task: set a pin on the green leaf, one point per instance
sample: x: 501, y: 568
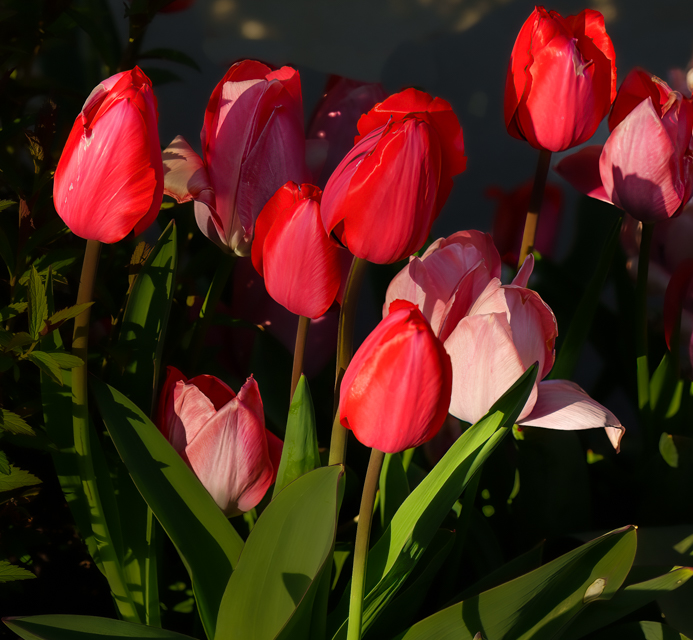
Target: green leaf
x: 300, y: 452
x: 401, y: 546
x: 17, y: 341
x: 285, y: 552
x: 14, y: 424
x: 4, y: 204
x: 627, y: 600
x: 66, y: 360
x: 38, y: 307
x: 47, y: 364
x: 640, y: 631
x: 393, y: 486
x: 668, y: 450
x: 102, y: 39
x: 10, y: 572
x: 540, y: 604
x: 66, y: 627
x: 581, y: 321
x: 144, y: 321
x: 170, y: 54
x: 56, y: 319
x: 12, y: 310
x: 4, y: 464
x: 205, y: 539
x: 6, y: 251
x: 17, y: 478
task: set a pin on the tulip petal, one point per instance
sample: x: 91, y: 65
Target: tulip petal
x: 185, y: 175
x: 563, y: 405
x: 485, y: 364
x: 522, y: 276
x: 581, y: 169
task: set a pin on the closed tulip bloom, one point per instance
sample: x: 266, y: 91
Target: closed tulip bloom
x: 252, y: 144
x: 561, y: 79
x: 384, y: 196
x: 493, y: 334
x: 395, y: 393
x: 298, y: 260
x: 222, y: 437
x: 646, y: 165
x: 109, y: 178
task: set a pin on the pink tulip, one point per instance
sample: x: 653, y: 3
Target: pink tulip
x: 396, y: 390
x: 222, y: 437
x: 298, y: 260
x: 384, y: 196
x: 646, y: 165
x: 109, y: 179
x: 332, y: 128
x: 493, y: 333
x: 252, y: 144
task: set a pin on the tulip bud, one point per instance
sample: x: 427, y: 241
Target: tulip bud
x: 222, y: 437
x: 383, y: 197
x: 294, y: 254
x: 252, y: 144
x: 561, y: 79
x: 109, y: 179
x: 396, y: 391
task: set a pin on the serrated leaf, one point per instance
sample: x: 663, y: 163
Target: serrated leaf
x: 4, y: 464
x: 18, y: 340
x: 17, y: 478
x: 47, y: 364
x: 66, y: 360
x: 14, y: 424
x: 38, y: 306
x: 4, y: 204
x: 57, y: 318
x: 170, y: 54
x: 12, y: 310
x: 10, y: 572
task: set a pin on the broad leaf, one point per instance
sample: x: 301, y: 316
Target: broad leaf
x: 645, y: 630
x: 285, y: 552
x: 10, y: 572
x: 14, y: 424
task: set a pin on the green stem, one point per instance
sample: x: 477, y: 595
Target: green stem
x: 345, y: 349
x: 151, y: 584
x: 81, y: 433
x: 299, y: 350
x: 643, y: 373
x: 532, y: 219
x: 363, y: 534
x: 216, y: 288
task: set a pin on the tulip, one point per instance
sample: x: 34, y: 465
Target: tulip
x: 222, y: 437
x: 509, y: 220
x: 332, y: 128
x: 395, y: 393
x: 561, y: 79
x: 383, y: 197
x: 298, y: 260
x: 493, y: 334
x: 252, y: 144
x: 646, y: 165
x: 109, y: 178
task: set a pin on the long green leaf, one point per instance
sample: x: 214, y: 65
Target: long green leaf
x: 396, y: 553
x: 645, y: 630
x: 300, y: 452
x: 61, y: 627
x: 205, y: 539
x: 38, y: 307
x: 282, y: 559
x: 540, y: 604
x: 627, y: 600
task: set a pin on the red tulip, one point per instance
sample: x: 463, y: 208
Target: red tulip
x: 332, y: 128
x: 222, y: 437
x: 396, y: 391
x: 109, y: 179
x: 561, y: 79
x: 493, y: 333
x: 294, y: 254
x: 646, y: 165
x: 252, y: 144
x: 509, y: 220
x: 385, y: 194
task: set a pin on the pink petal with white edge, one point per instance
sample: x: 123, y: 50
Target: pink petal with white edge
x: 563, y: 405
x: 185, y: 175
x: 485, y: 364
x: 581, y: 170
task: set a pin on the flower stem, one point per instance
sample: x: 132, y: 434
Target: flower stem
x: 643, y: 373
x: 345, y: 349
x: 363, y: 534
x: 299, y: 350
x: 532, y: 219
